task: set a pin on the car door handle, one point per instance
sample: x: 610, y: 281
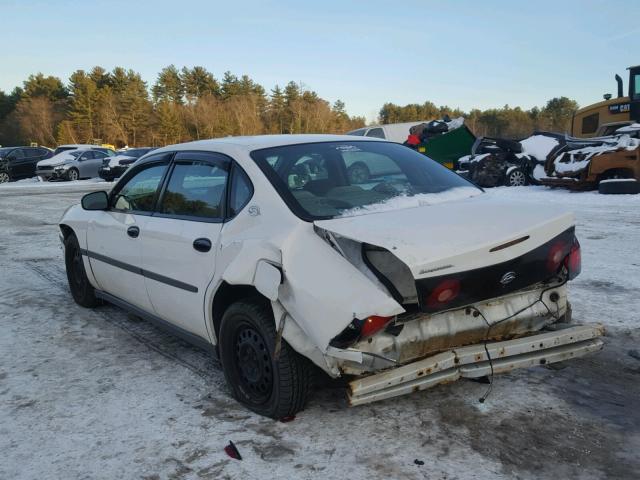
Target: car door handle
x: 133, y: 231
x: 202, y: 244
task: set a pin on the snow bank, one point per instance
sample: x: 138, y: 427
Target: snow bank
x: 405, y: 201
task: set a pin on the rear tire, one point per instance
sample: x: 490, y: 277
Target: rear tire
x: 275, y: 389
x: 81, y: 289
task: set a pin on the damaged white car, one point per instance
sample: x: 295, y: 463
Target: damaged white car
x: 265, y: 251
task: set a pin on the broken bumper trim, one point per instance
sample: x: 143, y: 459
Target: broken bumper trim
x: 472, y: 362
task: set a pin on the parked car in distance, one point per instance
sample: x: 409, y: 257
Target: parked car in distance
x: 114, y: 167
x: 393, y: 132
x: 72, y: 164
x: 404, y: 282
x: 83, y: 146
x: 20, y: 162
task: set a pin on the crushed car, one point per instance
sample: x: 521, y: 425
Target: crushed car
x: 611, y: 164
x: 499, y: 161
x: 264, y: 251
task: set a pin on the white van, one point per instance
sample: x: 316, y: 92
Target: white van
x: 394, y: 132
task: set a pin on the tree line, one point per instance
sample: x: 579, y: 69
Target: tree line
x: 508, y: 122
x: 117, y: 107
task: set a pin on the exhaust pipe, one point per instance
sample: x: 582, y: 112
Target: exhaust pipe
x: 619, y: 80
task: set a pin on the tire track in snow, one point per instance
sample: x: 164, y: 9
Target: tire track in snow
x: 50, y: 271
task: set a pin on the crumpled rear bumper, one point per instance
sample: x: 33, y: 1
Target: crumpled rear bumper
x: 472, y: 362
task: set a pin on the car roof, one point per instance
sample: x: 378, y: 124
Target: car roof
x: 262, y: 141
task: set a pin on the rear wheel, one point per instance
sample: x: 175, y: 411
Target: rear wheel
x: 73, y: 174
x: 273, y: 388
x: 82, y: 291
x: 516, y: 178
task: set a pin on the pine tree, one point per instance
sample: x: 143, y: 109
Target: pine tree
x: 168, y: 86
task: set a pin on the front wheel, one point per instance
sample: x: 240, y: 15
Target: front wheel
x: 273, y: 388
x: 81, y: 289
x: 516, y: 178
x: 4, y: 177
x: 73, y: 174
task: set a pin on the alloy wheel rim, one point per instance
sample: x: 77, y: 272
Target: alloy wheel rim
x: 4, y: 177
x: 517, y: 178
x: 73, y: 175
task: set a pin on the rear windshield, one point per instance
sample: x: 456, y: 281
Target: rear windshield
x: 327, y: 180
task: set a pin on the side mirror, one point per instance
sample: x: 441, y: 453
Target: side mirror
x: 95, y: 201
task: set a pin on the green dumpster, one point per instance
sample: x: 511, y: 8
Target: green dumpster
x: 448, y: 147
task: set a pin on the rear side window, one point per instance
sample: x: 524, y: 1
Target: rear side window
x: 139, y: 192
x: 590, y: 123
x: 196, y: 189
x: 241, y: 191
x: 376, y: 133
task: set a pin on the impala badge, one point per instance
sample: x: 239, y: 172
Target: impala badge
x: 508, y: 278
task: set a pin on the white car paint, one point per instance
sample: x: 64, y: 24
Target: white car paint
x: 322, y: 288
x: 393, y: 132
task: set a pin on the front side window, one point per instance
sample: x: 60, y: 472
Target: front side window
x: 139, y: 192
x: 16, y: 154
x: 352, y: 176
x: 195, y: 189
x: 636, y: 87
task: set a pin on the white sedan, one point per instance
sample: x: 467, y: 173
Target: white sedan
x: 265, y: 251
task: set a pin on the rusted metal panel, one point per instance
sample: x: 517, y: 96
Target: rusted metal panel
x: 472, y: 361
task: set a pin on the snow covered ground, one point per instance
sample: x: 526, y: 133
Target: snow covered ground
x: 99, y: 394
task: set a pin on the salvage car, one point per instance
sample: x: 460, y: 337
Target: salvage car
x: 20, y: 162
x: 498, y: 161
x: 114, y: 167
x: 72, y: 164
x: 404, y: 282
x: 611, y: 164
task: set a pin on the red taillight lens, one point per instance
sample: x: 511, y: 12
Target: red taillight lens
x: 445, y: 292
x: 557, y: 253
x: 573, y: 261
x: 373, y: 325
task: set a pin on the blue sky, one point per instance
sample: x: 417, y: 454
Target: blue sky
x: 458, y: 53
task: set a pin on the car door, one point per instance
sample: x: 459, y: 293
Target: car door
x: 179, y: 241
x: 21, y: 165
x: 113, y: 236
x: 99, y: 160
x: 89, y: 163
x: 15, y: 159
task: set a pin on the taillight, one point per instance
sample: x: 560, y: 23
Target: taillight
x: 573, y: 261
x: 373, y: 325
x: 556, y: 255
x: 445, y: 292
